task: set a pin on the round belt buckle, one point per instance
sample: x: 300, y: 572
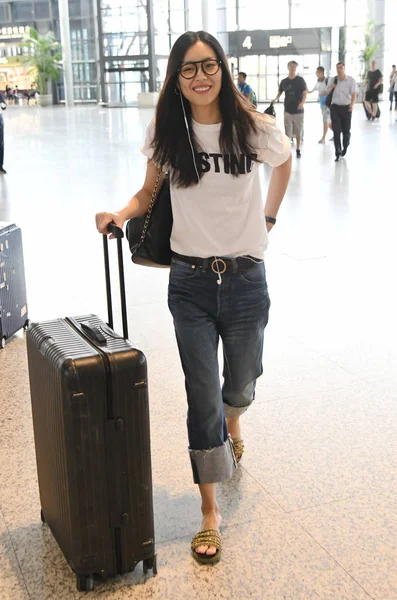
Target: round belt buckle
x: 223, y: 264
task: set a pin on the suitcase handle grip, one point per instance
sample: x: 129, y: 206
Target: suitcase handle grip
x: 116, y: 231
x: 94, y: 333
x: 118, y: 234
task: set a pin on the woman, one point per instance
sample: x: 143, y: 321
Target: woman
x: 211, y: 141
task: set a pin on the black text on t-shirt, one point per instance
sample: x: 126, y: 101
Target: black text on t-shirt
x: 230, y: 164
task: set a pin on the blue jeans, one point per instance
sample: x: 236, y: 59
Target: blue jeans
x: 236, y: 311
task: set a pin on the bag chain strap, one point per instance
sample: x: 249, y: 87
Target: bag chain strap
x: 150, y: 209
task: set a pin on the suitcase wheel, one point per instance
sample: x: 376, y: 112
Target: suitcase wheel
x: 150, y: 563
x: 155, y: 564
x: 27, y: 323
x: 42, y: 517
x: 2, y: 343
x: 85, y: 583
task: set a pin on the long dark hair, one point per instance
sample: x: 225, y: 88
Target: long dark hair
x: 171, y: 142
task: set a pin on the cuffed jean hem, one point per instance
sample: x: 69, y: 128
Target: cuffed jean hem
x: 232, y: 412
x: 213, y: 465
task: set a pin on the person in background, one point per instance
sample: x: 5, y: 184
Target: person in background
x: 246, y: 89
x: 393, y: 88
x: 295, y: 90
x: 3, y: 106
x: 321, y: 87
x: 343, y: 99
x: 31, y: 94
x: 9, y: 94
x: 375, y: 80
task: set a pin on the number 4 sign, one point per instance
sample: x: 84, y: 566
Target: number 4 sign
x: 247, y: 43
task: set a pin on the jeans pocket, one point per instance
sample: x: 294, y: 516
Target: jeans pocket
x: 255, y: 274
x: 180, y: 270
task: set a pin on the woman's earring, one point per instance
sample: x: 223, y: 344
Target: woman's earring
x: 177, y: 90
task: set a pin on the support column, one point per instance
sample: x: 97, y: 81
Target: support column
x: 186, y: 15
x: 221, y: 25
x: 376, y: 12
x: 150, y: 43
x: 205, y: 13
x: 208, y: 15
x: 66, y: 51
x: 102, y: 92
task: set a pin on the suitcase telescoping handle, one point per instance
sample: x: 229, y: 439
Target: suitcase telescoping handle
x: 118, y: 234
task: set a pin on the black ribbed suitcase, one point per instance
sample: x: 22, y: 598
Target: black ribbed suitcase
x: 13, y: 303
x: 90, y: 407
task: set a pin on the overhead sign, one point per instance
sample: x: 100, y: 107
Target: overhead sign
x: 10, y: 33
x: 280, y: 41
x: 284, y: 41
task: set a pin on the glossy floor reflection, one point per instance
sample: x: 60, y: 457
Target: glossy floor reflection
x: 312, y: 511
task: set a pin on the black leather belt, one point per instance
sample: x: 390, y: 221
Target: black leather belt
x: 220, y: 265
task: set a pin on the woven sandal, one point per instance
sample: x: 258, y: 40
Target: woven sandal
x: 209, y: 537
x: 238, y: 447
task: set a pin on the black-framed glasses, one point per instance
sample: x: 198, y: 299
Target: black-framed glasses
x: 209, y: 66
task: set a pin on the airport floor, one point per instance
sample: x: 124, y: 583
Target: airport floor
x: 312, y: 511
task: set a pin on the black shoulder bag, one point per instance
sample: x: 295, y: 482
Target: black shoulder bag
x: 149, y: 236
x: 328, y: 101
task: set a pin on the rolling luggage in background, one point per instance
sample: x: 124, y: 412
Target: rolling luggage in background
x: 90, y: 409
x: 13, y: 303
x: 368, y: 115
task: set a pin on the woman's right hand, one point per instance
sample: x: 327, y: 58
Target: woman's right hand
x: 102, y: 220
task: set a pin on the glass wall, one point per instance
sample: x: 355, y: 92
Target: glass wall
x: 125, y: 44
x: 346, y: 18
x: 83, y: 42
x: 44, y: 17
x: 123, y: 47
x: 269, y: 15
x: 315, y: 13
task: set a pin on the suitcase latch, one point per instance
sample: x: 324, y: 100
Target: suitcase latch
x: 140, y: 384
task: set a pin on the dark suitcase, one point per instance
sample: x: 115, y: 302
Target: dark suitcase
x: 91, y: 426
x: 13, y: 303
x: 368, y: 115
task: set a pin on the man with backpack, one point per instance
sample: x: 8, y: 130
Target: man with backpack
x: 321, y: 87
x: 246, y: 89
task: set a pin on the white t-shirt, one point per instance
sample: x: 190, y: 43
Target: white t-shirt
x: 223, y: 215
x: 321, y: 87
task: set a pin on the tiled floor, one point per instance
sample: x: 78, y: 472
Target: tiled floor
x: 312, y: 513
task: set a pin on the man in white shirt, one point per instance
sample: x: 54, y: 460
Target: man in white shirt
x: 342, y: 103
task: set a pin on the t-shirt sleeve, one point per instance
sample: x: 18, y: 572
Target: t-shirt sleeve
x: 247, y: 90
x: 304, y: 85
x: 353, y: 86
x: 273, y: 146
x: 147, y: 148
x: 281, y: 87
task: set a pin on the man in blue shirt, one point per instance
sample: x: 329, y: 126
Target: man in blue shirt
x: 243, y: 86
x: 246, y: 89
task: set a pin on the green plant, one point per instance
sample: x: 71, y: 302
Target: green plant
x: 45, y: 57
x: 368, y: 49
